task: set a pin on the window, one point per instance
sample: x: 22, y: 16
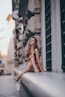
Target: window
x: 48, y: 34
x: 62, y: 4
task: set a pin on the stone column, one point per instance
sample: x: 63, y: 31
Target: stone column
x: 56, y: 35
x: 43, y: 32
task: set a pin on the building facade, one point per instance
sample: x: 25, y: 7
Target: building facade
x: 45, y: 19
x: 18, y: 33
x: 52, y: 16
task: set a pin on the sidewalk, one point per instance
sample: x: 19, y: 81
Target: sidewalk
x: 8, y: 87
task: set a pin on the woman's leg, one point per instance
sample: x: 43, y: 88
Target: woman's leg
x: 27, y: 69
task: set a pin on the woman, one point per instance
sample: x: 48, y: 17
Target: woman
x: 32, y: 57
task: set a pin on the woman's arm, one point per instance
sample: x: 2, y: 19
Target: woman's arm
x: 38, y: 59
x: 28, y: 58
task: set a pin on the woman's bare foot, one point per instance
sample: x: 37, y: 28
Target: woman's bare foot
x: 44, y: 70
x: 17, y: 77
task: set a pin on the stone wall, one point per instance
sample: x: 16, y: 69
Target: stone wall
x: 32, y: 22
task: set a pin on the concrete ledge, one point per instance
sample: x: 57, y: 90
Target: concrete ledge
x: 46, y: 84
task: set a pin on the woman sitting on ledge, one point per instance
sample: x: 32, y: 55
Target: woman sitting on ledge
x: 33, y: 58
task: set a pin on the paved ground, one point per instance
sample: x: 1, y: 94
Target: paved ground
x: 8, y: 87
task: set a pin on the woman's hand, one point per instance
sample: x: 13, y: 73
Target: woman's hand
x: 30, y: 56
x: 26, y: 58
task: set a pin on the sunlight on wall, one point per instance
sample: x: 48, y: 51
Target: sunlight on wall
x: 5, y: 28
